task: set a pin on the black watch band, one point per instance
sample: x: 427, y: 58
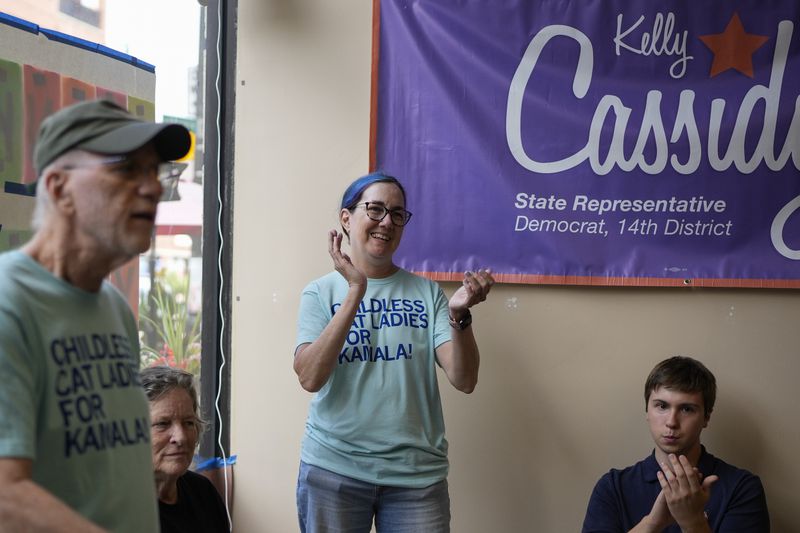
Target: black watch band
x: 462, y: 324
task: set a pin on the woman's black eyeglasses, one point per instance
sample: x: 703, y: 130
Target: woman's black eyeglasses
x: 378, y: 212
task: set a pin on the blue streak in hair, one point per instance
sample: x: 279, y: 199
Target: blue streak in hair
x: 357, y: 187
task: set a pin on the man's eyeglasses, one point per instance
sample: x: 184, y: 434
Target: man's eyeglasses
x: 130, y: 170
x: 378, y: 212
x: 168, y: 174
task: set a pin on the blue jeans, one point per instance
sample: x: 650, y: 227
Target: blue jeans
x: 330, y: 503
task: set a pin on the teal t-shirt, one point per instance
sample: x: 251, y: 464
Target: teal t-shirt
x: 71, y: 400
x: 379, y: 417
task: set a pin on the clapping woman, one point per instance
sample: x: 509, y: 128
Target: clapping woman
x: 370, y: 337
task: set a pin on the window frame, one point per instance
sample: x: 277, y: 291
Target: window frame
x: 218, y: 20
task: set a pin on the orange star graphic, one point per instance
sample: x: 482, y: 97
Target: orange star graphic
x: 733, y: 48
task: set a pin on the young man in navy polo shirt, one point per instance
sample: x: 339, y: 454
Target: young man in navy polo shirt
x: 680, y: 487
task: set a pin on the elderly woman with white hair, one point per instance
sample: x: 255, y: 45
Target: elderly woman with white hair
x: 187, y: 501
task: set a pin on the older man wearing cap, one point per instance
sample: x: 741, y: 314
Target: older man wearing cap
x: 74, y: 430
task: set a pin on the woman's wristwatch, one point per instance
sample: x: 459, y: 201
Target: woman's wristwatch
x: 462, y: 324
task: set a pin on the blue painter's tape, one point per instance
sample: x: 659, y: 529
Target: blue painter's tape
x: 19, y: 23
x: 11, y: 187
x: 77, y: 42
x: 115, y: 54
x: 58, y: 36
x: 214, y: 462
x: 144, y: 65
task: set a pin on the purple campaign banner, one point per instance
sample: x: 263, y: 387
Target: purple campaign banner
x: 613, y: 142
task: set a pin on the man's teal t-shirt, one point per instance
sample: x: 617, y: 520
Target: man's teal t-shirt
x: 379, y: 417
x: 71, y: 400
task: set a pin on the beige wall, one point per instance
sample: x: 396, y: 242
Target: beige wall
x: 560, y: 394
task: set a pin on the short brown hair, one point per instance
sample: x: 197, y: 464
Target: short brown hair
x: 683, y: 374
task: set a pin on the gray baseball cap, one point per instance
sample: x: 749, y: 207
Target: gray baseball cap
x: 102, y: 127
